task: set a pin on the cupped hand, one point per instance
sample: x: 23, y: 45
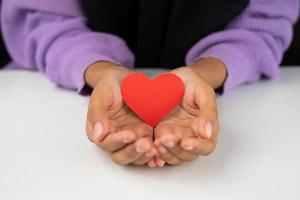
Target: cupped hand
x: 192, y: 128
x: 111, y: 125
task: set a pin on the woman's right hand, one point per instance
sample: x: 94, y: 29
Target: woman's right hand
x: 111, y: 125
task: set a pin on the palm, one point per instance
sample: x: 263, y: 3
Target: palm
x: 128, y: 139
x: 125, y: 119
x: 182, y: 120
x: 177, y: 126
x: 122, y: 118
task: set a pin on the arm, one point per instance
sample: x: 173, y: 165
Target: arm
x: 251, y: 46
x: 51, y: 36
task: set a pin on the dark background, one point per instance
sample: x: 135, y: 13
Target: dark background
x: 4, y: 58
x: 292, y: 56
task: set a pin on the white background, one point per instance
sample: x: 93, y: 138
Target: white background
x: 44, y: 153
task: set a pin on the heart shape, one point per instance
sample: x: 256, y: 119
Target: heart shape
x: 152, y: 100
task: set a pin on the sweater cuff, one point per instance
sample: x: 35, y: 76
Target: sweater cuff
x: 83, y: 61
x: 241, y: 66
x: 73, y: 55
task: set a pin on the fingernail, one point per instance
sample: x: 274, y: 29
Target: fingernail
x: 170, y: 144
x: 208, y: 130
x: 139, y: 149
x: 160, y: 163
x: 162, y: 150
x: 98, y: 130
x: 151, y: 163
x: 188, y: 148
x: 127, y: 140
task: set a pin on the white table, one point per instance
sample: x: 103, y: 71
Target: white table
x: 44, y: 153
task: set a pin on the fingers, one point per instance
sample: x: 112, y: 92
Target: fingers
x: 151, y: 163
x: 146, y: 157
x: 178, y: 130
x: 135, y: 153
x: 159, y: 162
x: 128, y: 146
x: 131, y: 152
x: 117, y: 140
x: 145, y: 131
x: 198, y: 146
x: 166, y: 156
x: 174, y: 152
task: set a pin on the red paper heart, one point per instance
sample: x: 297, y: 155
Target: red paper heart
x: 153, y: 99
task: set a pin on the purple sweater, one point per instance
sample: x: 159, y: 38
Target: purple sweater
x: 51, y: 36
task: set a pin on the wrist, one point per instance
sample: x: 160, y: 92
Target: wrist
x: 103, y: 69
x: 212, y: 70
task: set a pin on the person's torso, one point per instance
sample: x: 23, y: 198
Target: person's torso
x: 160, y: 33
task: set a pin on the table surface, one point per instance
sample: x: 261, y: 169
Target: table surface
x: 45, y: 154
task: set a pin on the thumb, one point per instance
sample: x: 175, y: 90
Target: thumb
x: 207, y: 123
x: 98, y: 123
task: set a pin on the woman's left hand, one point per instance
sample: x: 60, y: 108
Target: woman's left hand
x: 192, y: 128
